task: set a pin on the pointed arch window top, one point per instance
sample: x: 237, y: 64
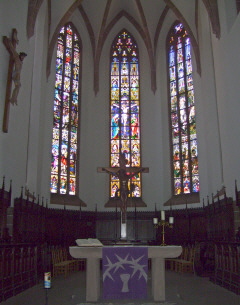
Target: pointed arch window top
x: 65, y: 136
x: 182, y: 113
x: 125, y: 110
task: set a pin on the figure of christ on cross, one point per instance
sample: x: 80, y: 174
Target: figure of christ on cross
x: 14, y: 72
x: 124, y: 174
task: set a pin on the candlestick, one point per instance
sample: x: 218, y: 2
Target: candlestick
x: 163, y: 223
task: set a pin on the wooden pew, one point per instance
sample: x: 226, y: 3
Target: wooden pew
x: 235, y: 269
x: 18, y: 269
x: 185, y: 262
x: 227, y: 266
x: 186, y: 265
x: 61, y: 264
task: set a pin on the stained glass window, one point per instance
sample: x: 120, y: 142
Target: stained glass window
x: 182, y: 109
x: 124, y: 108
x: 66, y: 114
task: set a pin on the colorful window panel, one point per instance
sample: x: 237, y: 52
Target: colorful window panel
x: 182, y: 108
x: 65, y: 117
x: 124, y: 108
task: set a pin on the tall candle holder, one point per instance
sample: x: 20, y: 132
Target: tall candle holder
x: 163, y: 223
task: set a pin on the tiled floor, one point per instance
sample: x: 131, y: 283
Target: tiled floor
x: 186, y: 289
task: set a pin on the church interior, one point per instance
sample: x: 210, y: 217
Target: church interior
x: 162, y: 78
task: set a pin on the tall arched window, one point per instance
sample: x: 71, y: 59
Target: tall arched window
x: 65, y: 137
x: 124, y: 108
x: 182, y: 112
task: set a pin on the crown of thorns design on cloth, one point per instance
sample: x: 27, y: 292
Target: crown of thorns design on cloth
x: 133, y: 263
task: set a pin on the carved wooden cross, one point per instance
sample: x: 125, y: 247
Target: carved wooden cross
x: 124, y: 174
x: 15, y: 60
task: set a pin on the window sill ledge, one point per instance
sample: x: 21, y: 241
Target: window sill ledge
x: 73, y: 200
x: 183, y: 199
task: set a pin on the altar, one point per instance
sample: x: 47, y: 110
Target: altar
x: 93, y: 255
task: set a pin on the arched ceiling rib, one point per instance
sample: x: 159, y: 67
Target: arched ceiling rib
x: 100, y: 17
x: 53, y: 41
x: 33, y: 9
x: 148, y: 42
x: 89, y: 28
x: 212, y: 9
x: 159, y: 27
x: 138, y: 27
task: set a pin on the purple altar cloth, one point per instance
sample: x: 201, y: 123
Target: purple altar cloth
x: 125, y: 272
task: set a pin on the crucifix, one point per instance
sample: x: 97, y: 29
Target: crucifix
x: 124, y: 174
x: 14, y: 71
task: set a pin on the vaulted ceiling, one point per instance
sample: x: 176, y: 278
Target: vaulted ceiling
x: 147, y: 16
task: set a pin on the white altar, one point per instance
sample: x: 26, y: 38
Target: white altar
x: 93, y: 255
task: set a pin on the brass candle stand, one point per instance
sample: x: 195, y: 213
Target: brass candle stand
x: 163, y: 223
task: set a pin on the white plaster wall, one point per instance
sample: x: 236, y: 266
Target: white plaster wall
x: 57, y: 14
x: 25, y: 151
x: 95, y: 151
x: 13, y: 151
x: 227, y: 66
x: 35, y: 176
x: 210, y: 160
x: 228, y: 14
x: 187, y: 10
x: 163, y: 182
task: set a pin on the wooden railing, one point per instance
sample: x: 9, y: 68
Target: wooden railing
x: 5, y: 202
x: 227, y: 266
x: 21, y: 267
x: 237, y: 195
x: 34, y: 222
x: 220, y: 220
x: 37, y: 229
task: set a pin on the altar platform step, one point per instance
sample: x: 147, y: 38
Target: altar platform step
x: 181, y: 289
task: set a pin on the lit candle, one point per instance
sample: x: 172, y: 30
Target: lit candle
x: 155, y: 220
x: 171, y: 220
x: 162, y: 215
